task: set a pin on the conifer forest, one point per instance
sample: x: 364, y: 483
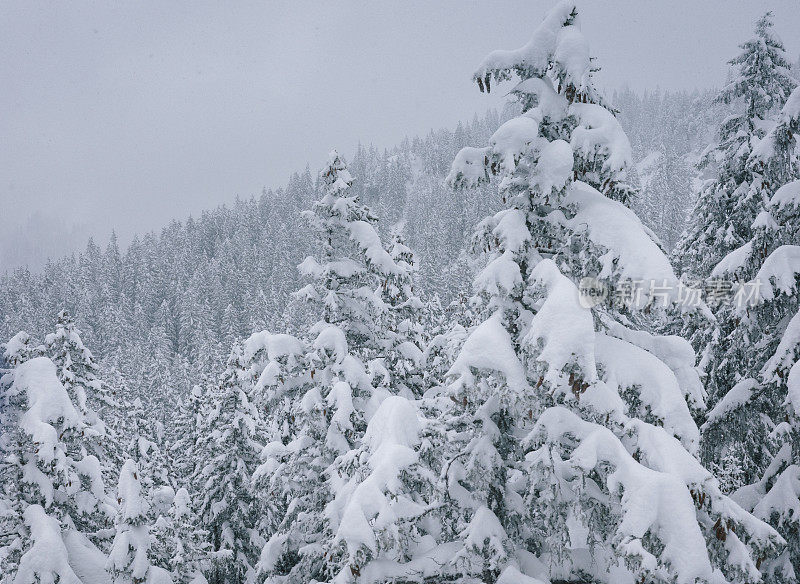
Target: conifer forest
x: 556, y: 343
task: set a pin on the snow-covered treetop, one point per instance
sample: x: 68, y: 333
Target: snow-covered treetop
x: 556, y: 49
x: 563, y: 167
x: 337, y: 210
x: 353, y: 267
x: 67, y: 339
x: 19, y: 349
x: 559, y: 100
x: 335, y: 175
x: 764, y: 77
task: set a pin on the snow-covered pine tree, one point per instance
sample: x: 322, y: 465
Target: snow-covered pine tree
x: 189, y: 541
x: 403, y: 321
x: 290, y: 481
x: 79, y: 372
x: 383, y: 512
x: 77, y: 369
x: 570, y: 437
x: 669, y: 194
x: 354, y: 265
x: 129, y: 561
x: 726, y: 206
x: 50, y: 488
x: 20, y: 348
x: 757, y: 417
x: 142, y: 446
x: 318, y: 405
x: 179, y: 544
x: 186, y: 433
x: 228, y: 447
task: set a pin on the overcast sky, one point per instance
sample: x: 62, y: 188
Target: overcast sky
x: 126, y: 114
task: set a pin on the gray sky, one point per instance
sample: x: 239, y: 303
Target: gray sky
x: 127, y: 114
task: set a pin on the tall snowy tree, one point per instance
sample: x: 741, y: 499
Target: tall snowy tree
x: 52, y: 493
x: 754, y: 424
x: 130, y: 558
x: 183, y: 445
x: 356, y: 283
x: 570, y: 432
x: 403, y: 320
x: 354, y: 264
x: 79, y: 372
x: 229, y: 444
x: 726, y: 205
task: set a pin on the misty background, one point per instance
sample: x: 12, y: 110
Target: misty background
x: 125, y: 116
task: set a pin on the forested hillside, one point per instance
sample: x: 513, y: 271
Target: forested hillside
x: 560, y: 344
x: 166, y: 310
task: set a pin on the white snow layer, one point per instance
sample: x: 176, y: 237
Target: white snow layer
x: 628, y: 366
x: 736, y: 397
x: 48, y: 404
x: 778, y: 272
x: 787, y: 195
x: 488, y: 348
x: 612, y: 225
x: 536, y: 54
x: 47, y: 557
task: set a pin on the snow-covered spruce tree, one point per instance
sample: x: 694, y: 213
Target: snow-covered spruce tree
x: 570, y: 437
x: 756, y: 421
x: 129, y: 561
x: 319, y: 405
x: 354, y: 266
x: 141, y: 446
x: 732, y: 367
x: 726, y: 205
x: 382, y: 523
x: 20, y: 348
x: 49, y: 490
x: 189, y: 542
x: 183, y: 447
x: 403, y: 321
x: 177, y: 542
x: 277, y: 367
x: 79, y: 373
x: 77, y: 369
x: 228, y: 449
x: 290, y: 480
x: 669, y: 194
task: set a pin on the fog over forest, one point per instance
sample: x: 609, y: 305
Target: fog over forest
x: 124, y: 118
x: 419, y: 293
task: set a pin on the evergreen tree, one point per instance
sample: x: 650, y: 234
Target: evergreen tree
x: 403, y: 321
x: 318, y: 418
x: 189, y: 542
x: 354, y: 263
x: 186, y: 434
x: 384, y: 498
x: 574, y: 436
x: 78, y: 372
x: 754, y: 419
x: 229, y: 446
x: 52, y: 495
x: 726, y: 206
x: 130, y: 558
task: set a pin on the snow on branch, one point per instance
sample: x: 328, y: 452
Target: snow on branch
x: 488, y: 348
x: 533, y: 59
